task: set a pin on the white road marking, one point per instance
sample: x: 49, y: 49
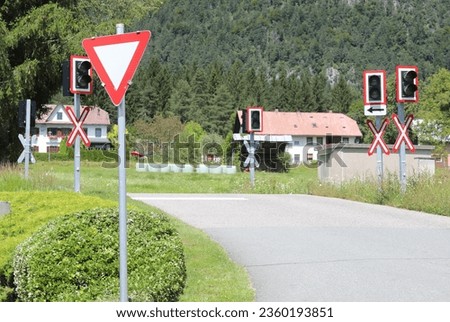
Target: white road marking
x: 190, y: 198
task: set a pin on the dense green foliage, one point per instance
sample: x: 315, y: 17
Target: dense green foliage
x: 30, y: 211
x: 75, y: 258
x: 303, y: 34
x: 207, y: 59
x: 36, y: 36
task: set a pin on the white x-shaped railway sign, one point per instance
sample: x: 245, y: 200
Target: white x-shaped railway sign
x: 78, y: 126
x: 250, y: 150
x: 22, y: 155
x: 378, y: 139
x: 403, y: 133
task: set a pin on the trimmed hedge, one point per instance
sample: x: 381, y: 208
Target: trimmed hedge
x: 76, y: 258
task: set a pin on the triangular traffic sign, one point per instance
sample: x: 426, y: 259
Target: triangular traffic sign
x: 115, y: 59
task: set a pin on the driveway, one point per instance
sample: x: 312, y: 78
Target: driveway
x: 307, y: 248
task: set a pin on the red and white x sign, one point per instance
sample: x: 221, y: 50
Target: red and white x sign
x: 378, y: 140
x: 78, y: 129
x: 403, y: 133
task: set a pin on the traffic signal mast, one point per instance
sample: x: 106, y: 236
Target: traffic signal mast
x: 374, y: 87
x: 80, y: 75
x: 254, y: 119
x: 407, y: 84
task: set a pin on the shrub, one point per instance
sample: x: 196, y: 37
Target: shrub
x: 76, y: 258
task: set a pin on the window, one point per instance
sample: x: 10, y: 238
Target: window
x: 309, y: 140
x: 98, y: 132
x: 59, y: 116
x: 296, y: 143
x: 345, y: 140
x: 320, y: 141
x: 296, y: 158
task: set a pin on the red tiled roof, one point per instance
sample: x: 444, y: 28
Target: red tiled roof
x: 95, y: 116
x: 307, y: 124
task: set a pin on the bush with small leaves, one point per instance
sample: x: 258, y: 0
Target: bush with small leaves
x: 76, y: 258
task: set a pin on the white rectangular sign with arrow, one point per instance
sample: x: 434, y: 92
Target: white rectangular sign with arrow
x: 375, y: 110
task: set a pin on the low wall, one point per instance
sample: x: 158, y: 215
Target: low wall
x: 345, y: 162
x: 184, y: 168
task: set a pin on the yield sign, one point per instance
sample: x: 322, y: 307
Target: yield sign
x: 115, y: 59
x: 78, y: 129
x: 403, y: 133
x: 378, y: 140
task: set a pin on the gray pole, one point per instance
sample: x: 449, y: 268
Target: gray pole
x: 123, y: 272
x: 27, y: 137
x: 252, y: 159
x: 379, y: 157
x: 76, y: 154
x: 402, y: 151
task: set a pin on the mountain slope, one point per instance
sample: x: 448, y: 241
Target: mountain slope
x: 310, y: 34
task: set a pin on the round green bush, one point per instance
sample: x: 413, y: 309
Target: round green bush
x: 76, y: 258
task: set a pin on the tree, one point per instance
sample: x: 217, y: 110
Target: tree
x: 155, y: 138
x: 320, y: 88
x: 220, y: 110
x: 341, y: 96
x: 187, y: 145
x: 32, y: 49
x: 434, y: 109
x: 306, y: 95
x: 36, y: 36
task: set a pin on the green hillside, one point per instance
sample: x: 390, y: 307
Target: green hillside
x: 304, y: 34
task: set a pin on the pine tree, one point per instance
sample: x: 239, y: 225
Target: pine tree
x: 306, y: 95
x: 181, y: 100
x: 342, y: 96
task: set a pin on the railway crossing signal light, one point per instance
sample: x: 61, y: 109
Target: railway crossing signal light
x: 80, y: 75
x: 374, y: 87
x: 407, y: 84
x: 254, y: 119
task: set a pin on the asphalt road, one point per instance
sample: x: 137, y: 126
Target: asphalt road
x: 307, y: 248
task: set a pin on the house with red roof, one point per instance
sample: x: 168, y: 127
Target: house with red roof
x: 54, y: 125
x: 299, y: 134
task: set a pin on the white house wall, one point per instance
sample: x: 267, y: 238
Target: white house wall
x: 44, y: 140
x: 299, y: 149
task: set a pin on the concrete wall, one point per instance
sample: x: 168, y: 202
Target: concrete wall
x: 345, y: 162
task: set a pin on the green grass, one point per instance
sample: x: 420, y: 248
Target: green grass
x: 212, y: 276
x: 429, y: 194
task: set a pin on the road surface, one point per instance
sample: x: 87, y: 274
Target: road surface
x: 309, y: 248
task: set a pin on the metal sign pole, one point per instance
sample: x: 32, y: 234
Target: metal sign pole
x: 251, y: 155
x: 76, y: 154
x: 379, y: 157
x: 123, y: 272
x: 402, y: 151
x: 27, y: 137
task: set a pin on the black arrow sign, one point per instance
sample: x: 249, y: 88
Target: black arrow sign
x: 371, y: 109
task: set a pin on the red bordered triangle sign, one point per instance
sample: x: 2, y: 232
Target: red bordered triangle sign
x: 115, y: 59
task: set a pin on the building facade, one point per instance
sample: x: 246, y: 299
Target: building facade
x: 299, y: 134
x: 54, y: 125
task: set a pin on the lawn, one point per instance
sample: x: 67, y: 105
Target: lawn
x: 212, y: 276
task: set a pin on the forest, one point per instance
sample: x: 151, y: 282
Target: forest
x: 208, y: 59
